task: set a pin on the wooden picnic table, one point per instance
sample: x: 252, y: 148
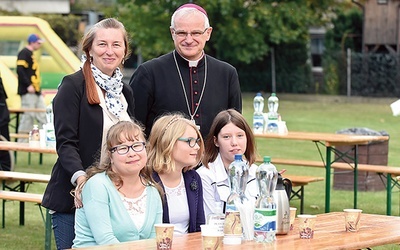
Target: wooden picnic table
x: 16, y: 112
x: 329, y: 140
x: 329, y: 234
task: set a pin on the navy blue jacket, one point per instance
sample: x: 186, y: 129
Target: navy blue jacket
x: 194, y: 192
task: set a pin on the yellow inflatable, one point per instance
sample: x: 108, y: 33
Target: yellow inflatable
x: 55, y: 57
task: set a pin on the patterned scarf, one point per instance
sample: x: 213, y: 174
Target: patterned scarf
x: 113, y: 87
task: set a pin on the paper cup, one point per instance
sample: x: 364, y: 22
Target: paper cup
x: 352, y: 219
x: 293, y: 211
x: 211, y: 237
x: 164, y: 236
x: 306, y: 225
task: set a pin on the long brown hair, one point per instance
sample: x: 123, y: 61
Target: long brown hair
x: 222, y: 119
x: 87, y: 42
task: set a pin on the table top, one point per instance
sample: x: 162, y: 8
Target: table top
x: 329, y: 234
x: 23, y: 110
x: 330, y: 139
x: 25, y: 147
x: 27, y: 177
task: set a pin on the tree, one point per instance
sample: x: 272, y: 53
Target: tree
x: 243, y: 30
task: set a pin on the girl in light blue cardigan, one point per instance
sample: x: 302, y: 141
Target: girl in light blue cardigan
x: 121, y: 202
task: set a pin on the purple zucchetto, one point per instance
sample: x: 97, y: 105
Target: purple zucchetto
x: 192, y: 5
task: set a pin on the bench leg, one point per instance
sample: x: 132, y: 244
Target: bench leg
x: 299, y: 194
x: 3, y: 213
x: 22, y: 206
x: 47, y: 242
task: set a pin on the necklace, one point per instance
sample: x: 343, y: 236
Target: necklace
x: 184, y: 91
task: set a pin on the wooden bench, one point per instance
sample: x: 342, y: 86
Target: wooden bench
x: 29, y: 197
x: 19, y: 136
x: 18, y: 193
x: 16, y: 136
x: 301, y: 181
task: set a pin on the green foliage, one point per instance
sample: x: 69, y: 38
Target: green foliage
x: 243, y: 31
x: 346, y: 33
x: 66, y: 27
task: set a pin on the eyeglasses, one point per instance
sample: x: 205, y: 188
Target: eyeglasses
x: 184, y: 34
x: 124, y: 149
x: 191, y: 141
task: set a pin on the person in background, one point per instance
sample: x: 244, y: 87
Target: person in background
x: 120, y: 200
x: 29, y: 85
x: 229, y: 135
x: 186, y: 80
x: 5, y: 159
x: 88, y: 102
x: 175, y: 148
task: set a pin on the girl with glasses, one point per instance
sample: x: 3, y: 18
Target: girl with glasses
x: 175, y: 148
x: 121, y: 201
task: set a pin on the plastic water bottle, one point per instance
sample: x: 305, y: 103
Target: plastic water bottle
x: 265, y: 218
x: 49, y: 128
x: 272, y: 123
x: 49, y: 113
x: 238, y: 174
x: 258, y: 116
x: 273, y: 103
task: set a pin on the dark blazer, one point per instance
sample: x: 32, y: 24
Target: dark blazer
x: 79, y: 129
x: 4, y: 113
x: 157, y: 89
x: 194, y: 193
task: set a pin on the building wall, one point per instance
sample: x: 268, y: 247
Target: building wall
x: 381, y: 22
x: 36, y: 6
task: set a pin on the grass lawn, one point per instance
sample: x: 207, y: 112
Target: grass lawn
x: 323, y: 114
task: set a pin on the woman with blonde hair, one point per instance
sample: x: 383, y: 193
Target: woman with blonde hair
x: 175, y: 148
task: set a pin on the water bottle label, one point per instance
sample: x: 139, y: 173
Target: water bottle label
x: 264, y: 220
x: 231, y: 207
x: 272, y: 127
x: 258, y: 124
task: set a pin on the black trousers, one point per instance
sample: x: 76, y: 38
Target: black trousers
x: 5, y: 160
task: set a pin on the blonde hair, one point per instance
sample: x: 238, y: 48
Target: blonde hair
x: 163, y: 136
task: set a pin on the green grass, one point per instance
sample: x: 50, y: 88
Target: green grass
x: 327, y: 114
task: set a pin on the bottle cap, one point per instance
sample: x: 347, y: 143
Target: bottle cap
x: 267, y: 158
x: 238, y: 157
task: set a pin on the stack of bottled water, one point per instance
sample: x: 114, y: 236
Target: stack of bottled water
x: 273, y: 116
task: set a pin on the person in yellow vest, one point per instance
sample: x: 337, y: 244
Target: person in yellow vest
x: 29, y: 85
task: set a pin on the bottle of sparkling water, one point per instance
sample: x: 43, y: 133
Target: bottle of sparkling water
x: 258, y: 115
x: 238, y: 174
x: 265, y: 210
x: 272, y: 123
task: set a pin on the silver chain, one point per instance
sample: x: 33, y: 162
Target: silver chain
x: 183, y: 85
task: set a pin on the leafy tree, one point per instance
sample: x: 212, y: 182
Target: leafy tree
x: 244, y: 31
